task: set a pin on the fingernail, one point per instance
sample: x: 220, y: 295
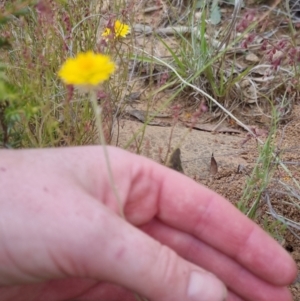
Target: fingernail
x: 205, y: 287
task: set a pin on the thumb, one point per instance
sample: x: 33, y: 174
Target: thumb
x: 125, y: 255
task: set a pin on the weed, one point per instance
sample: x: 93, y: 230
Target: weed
x: 261, y: 174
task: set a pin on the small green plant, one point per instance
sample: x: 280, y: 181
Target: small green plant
x: 262, y: 172
x: 201, y: 61
x: 275, y: 228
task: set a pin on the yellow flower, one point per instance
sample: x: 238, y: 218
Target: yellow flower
x: 121, y: 30
x: 86, y: 70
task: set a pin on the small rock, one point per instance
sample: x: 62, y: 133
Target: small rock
x: 251, y: 57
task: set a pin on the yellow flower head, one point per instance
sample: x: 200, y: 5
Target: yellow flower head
x: 86, y: 70
x: 121, y: 30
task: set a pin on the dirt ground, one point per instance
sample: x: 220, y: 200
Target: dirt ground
x: 235, y: 153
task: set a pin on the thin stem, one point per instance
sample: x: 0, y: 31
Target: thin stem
x: 101, y: 141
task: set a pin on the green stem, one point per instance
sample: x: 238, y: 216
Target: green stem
x: 101, y: 141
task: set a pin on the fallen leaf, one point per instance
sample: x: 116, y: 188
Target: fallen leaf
x: 143, y: 116
x: 175, y: 161
x: 249, y: 91
x: 213, y: 165
x: 215, y: 15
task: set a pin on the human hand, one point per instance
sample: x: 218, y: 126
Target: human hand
x: 62, y: 237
